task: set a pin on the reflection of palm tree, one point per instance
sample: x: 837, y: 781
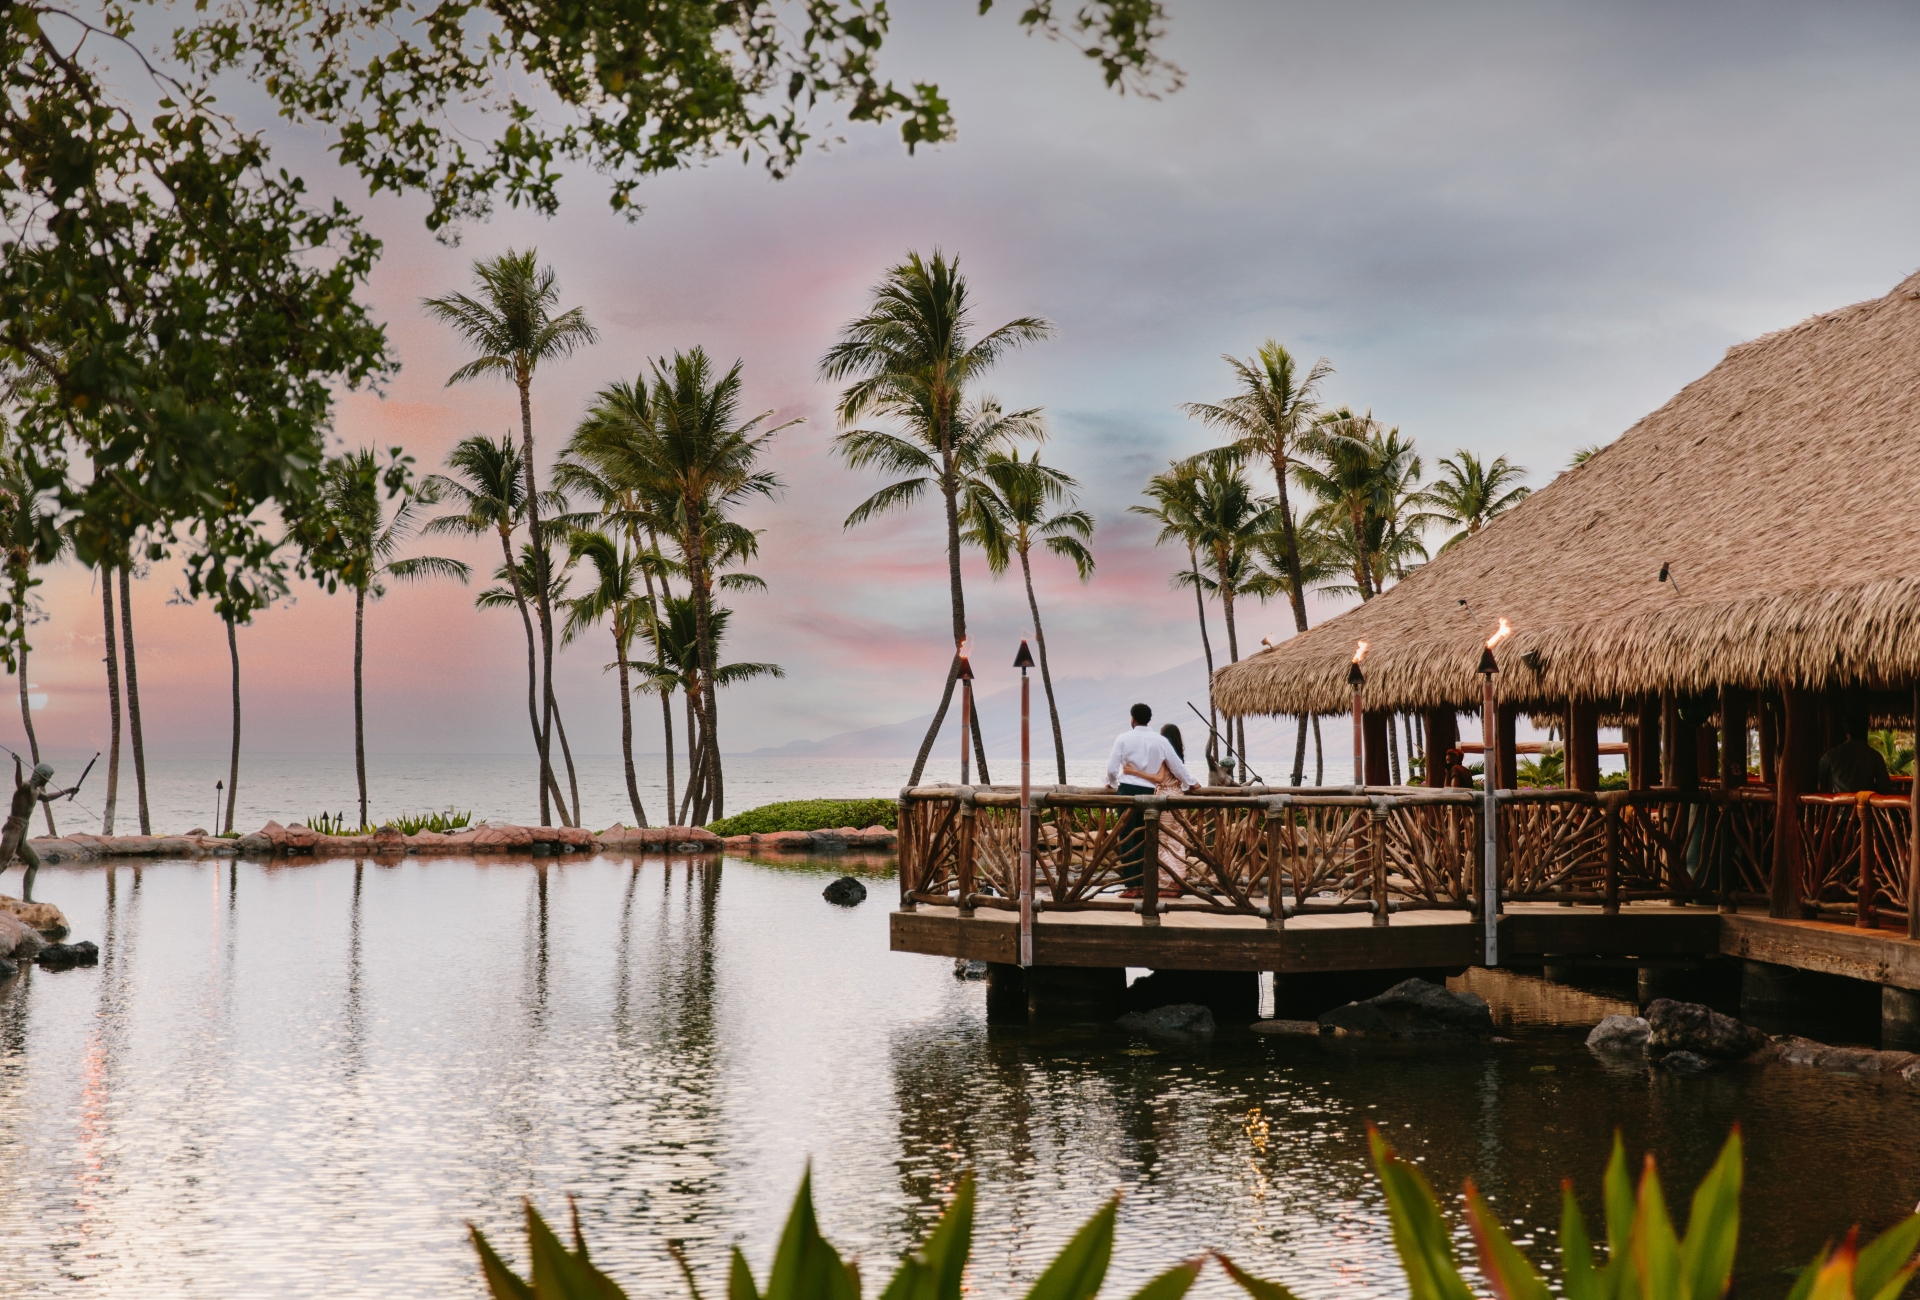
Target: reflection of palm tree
x: 489, y: 490
x: 910, y: 359
x: 1008, y: 505
x: 513, y: 328
x: 351, y: 491
x: 1470, y: 492
x: 611, y: 597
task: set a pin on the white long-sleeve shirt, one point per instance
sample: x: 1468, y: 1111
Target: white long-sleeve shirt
x: 1146, y: 749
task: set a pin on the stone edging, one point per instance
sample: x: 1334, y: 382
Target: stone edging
x: 838, y: 840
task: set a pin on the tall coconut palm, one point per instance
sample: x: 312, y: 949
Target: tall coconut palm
x: 686, y: 653
x: 489, y: 490
x: 113, y: 700
x: 1009, y: 509
x: 1230, y: 519
x: 612, y: 598
x: 514, y: 328
x: 1367, y: 486
x: 1317, y: 562
x: 516, y: 588
x: 910, y: 358
x: 1469, y: 492
x: 350, y: 490
x: 705, y: 455
x: 1175, y: 502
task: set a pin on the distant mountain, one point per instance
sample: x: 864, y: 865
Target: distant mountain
x: 1093, y: 711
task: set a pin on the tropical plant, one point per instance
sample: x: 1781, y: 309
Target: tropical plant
x: 1175, y: 497
x: 612, y: 597
x: 809, y: 815
x: 514, y: 328
x: 490, y: 491
x: 690, y: 652
x: 1316, y: 562
x: 910, y: 359
x: 1366, y: 486
x: 1009, y: 508
x: 1470, y: 492
x: 1581, y: 455
x: 1896, y: 747
x: 1548, y: 771
x: 352, y: 487
x: 516, y: 589
x: 1646, y: 1259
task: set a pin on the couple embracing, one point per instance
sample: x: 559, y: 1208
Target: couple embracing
x: 1145, y: 761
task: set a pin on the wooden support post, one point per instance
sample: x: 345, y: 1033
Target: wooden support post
x: 1377, y: 859
x: 1650, y: 769
x: 1150, y: 864
x: 1583, y: 745
x: 1611, y: 813
x: 1377, y: 772
x: 1276, y: 901
x: 1768, y: 725
x: 1509, y: 752
x: 1706, y: 753
x: 1443, y: 733
x: 1795, y: 774
x: 1677, y: 753
x: 1734, y: 706
x: 963, y: 849
x: 903, y: 836
x: 1863, y: 918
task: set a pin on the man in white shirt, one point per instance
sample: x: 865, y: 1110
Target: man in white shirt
x: 1145, y: 750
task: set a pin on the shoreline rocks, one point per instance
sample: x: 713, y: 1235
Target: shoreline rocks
x: 842, y: 839
x: 1687, y: 1038
x: 1413, y: 1009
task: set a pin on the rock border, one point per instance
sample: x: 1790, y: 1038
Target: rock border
x: 841, y: 839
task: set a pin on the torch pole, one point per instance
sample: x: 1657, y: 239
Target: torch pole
x: 966, y: 717
x: 1490, y: 844
x: 1359, y: 741
x: 1026, y: 821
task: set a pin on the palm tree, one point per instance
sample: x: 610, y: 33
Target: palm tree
x: 1176, y: 502
x: 1230, y: 518
x: 911, y: 357
x: 350, y: 490
x: 1007, y: 512
x: 703, y: 454
x: 516, y: 589
x: 691, y: 662
x: 1317, y: 558
x: 490, y: 492
x: 1470, y: 492
x: 612, y: 596
x: 1367, y: 486
x: 513, y: 328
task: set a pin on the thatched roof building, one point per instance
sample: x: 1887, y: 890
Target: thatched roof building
x: 1782, y: 489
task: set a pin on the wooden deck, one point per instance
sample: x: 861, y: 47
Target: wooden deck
x: 1529, y: 933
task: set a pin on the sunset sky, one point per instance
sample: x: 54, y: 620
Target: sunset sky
x: 1514, y: 228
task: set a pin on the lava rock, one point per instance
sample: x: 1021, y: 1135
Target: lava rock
x: 1299, y: 1028
x: 1685, y: 1062
x: 60, y: 956
x: 969, y: 970
x: 1619, y: 1034
x: 1414, y: 1008
x: 1689, y: 1027
x: 8, y: 969
x: 1182, y: 1020
x: 845, y: 892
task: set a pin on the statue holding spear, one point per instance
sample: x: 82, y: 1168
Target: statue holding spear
x: 27, y: 793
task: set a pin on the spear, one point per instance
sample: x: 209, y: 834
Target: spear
x: 83, y: 776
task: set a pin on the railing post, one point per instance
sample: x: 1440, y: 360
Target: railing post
x: 963, y: 845
x: 1611, y: 907
x: 1150, y: 860
x: 1276, y: 901
x: 1863, y: 914
x: 1490, y: 871
x: 1377, y: 858
x: 903, y: 837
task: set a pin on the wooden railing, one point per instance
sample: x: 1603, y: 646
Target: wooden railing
x: 1387, y: 850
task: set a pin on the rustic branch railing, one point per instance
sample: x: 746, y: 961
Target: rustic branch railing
x: 1387, y: 850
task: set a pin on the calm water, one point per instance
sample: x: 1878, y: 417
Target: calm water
x: 303, y: 1080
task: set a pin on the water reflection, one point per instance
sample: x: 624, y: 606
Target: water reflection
x: 303, y: 1080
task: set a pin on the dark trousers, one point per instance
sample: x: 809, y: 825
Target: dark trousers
x: 1133, y: 840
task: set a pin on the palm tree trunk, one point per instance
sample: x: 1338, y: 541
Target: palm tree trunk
x: 666, y: 724
x: 133, y: 698
x: 1206, y: 648
x: 710, y: 805
x: 950, y: 492
x: 566, y: 752
x: 1046, y: 677
x: 1236, y: 729
x: 525, y: 384
x: 939, y: 716
x: 233, y: 762
x: 1319, y: 755
x: 359, y: 710
x: 533, y: 674
x: 1393, y: 750
x: 26, y: 711
x: 695, y: 753
x: 626, y: 722
x: 1290, y: 554
x: 1300, y: 751
x: 660, y: 663
x: 113, y: 699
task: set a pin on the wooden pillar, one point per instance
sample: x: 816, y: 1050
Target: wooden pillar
x: 1769, y: 729
x: 1443, y: 733
x: 1647, y: 743
x: 1734, y: 703
x: 1706, y: 748
x: 1509, y: 715
x: 1636, y: 757
x: 1377, y: 722
x: 1681, y: 746
x: 1798, y: 766
x: 1583, y: 745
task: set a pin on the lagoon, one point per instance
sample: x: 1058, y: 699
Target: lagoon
x: 303, y: 1080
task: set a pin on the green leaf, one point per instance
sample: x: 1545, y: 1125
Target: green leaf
x: 934, y: 1271
x: 558, y: 1274
x: 1512, y: 1276
x: 1173, y: 1283
x: 1576, y: 1250
x: 1884, y: 1267
x: 502, y: 1282
x: 1253, y: 1286
x: 1419, y: 1233
x: 1713, y: 1226
x: 1656, y: 1251
x: 805, y: 1267
x: 1835, y: 1279
x: 1803, y: 1285
x: 740, y: 1279
x: 1077, y: 1272
x: 1617, y: 1278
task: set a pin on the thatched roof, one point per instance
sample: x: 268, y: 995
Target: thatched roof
x: 1784, y: 489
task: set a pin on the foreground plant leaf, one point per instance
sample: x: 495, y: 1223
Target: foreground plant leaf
x: 1419, y: 1233
x: 933, y: 1272
x: 1512, y: 1276
x: 1713, y: 1226
x: 805, y: 1267
x: 1077, y: 1272
x: 1253, y: 1286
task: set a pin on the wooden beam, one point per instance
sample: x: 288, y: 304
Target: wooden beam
x: 1798, y: 765
x: 1376, y: 722
x: 1583, y: 745
x: 1443, y: 733
x: 1680, y: 746
x: 1645, y: 774
x: 1509, y: 717
x: 1734, y: 706
x: 1877, y: 956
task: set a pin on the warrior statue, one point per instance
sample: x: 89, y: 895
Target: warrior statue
x: 26, y: 793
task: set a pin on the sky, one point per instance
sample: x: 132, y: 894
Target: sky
x: 1511, y: 227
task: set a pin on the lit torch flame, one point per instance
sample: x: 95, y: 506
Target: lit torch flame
x: 966, y: 648
x: 1359, y: 651
x: 1499, y: 636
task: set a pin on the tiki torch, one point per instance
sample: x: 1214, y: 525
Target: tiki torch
x: 1490, y: 781
x: 966, y: 707
x: 1358, y: 680
x: 1024, y: 661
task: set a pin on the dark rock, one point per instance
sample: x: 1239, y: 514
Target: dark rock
x: 1302, y: 1028
x: 845, y: 892
x: 969, y: 970
x: 1681, y: 1061
x: 1414, y: 1008
x: 1189, y: 1020
x: 8, y: 969
x: 1619, y: 1034
x: 1689, y: 1027
x: 1851, y: 1060
x: 60, y: 956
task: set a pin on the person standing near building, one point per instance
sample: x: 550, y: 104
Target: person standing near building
x: 1145, y: 750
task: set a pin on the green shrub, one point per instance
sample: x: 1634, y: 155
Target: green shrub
x: 808, y: 815
x: 410, y: 824
x: 1646, y: 1259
